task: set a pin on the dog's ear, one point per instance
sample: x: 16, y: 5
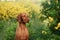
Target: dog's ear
x: 18, y: 18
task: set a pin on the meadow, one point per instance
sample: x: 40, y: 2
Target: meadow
x: 43, y: 24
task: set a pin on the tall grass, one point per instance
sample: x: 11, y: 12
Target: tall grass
x: 38, y: 28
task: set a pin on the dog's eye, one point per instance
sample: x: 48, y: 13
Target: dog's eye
x: 24, y: 16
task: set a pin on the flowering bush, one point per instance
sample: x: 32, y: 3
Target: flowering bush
x: 12, y: 9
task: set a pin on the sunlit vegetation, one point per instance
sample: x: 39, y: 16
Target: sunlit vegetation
x: 44, y: 18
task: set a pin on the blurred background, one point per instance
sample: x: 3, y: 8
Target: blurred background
x: 44, y: 18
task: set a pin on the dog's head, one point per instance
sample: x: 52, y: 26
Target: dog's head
x: 22, y: 18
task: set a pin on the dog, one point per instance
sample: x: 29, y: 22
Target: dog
x: 22, y: 31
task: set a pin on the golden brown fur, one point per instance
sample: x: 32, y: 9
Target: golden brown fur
x: 21, y: 31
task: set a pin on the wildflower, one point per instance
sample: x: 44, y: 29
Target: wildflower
x: 59, y: 24
x: 46, y: 21
x: 50, y: 19
x: 0, y: 16
x: 56, y: 28
x: 10, y: 9
x: 44, y: 32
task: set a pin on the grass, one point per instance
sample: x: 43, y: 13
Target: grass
x: 38, y: 29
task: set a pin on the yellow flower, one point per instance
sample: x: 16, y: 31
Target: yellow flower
x: 59, y: 24
x: 6, y: 16
x: 11, y: 9
x: 0, y: 16
x: 44, y: 32
x: 50, y: 19
x: 56, y: 28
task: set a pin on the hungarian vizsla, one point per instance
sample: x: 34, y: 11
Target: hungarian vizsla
x: 22, y: 31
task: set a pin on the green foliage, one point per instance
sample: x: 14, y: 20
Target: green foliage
x: 38, y: 29
x: 39, y: 26
x: 51, y: 8
x: 7, y: 30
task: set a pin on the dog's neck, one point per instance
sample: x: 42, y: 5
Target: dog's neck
x: 22, y: 25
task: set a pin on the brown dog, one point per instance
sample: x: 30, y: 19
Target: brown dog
x: 21, y: 31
